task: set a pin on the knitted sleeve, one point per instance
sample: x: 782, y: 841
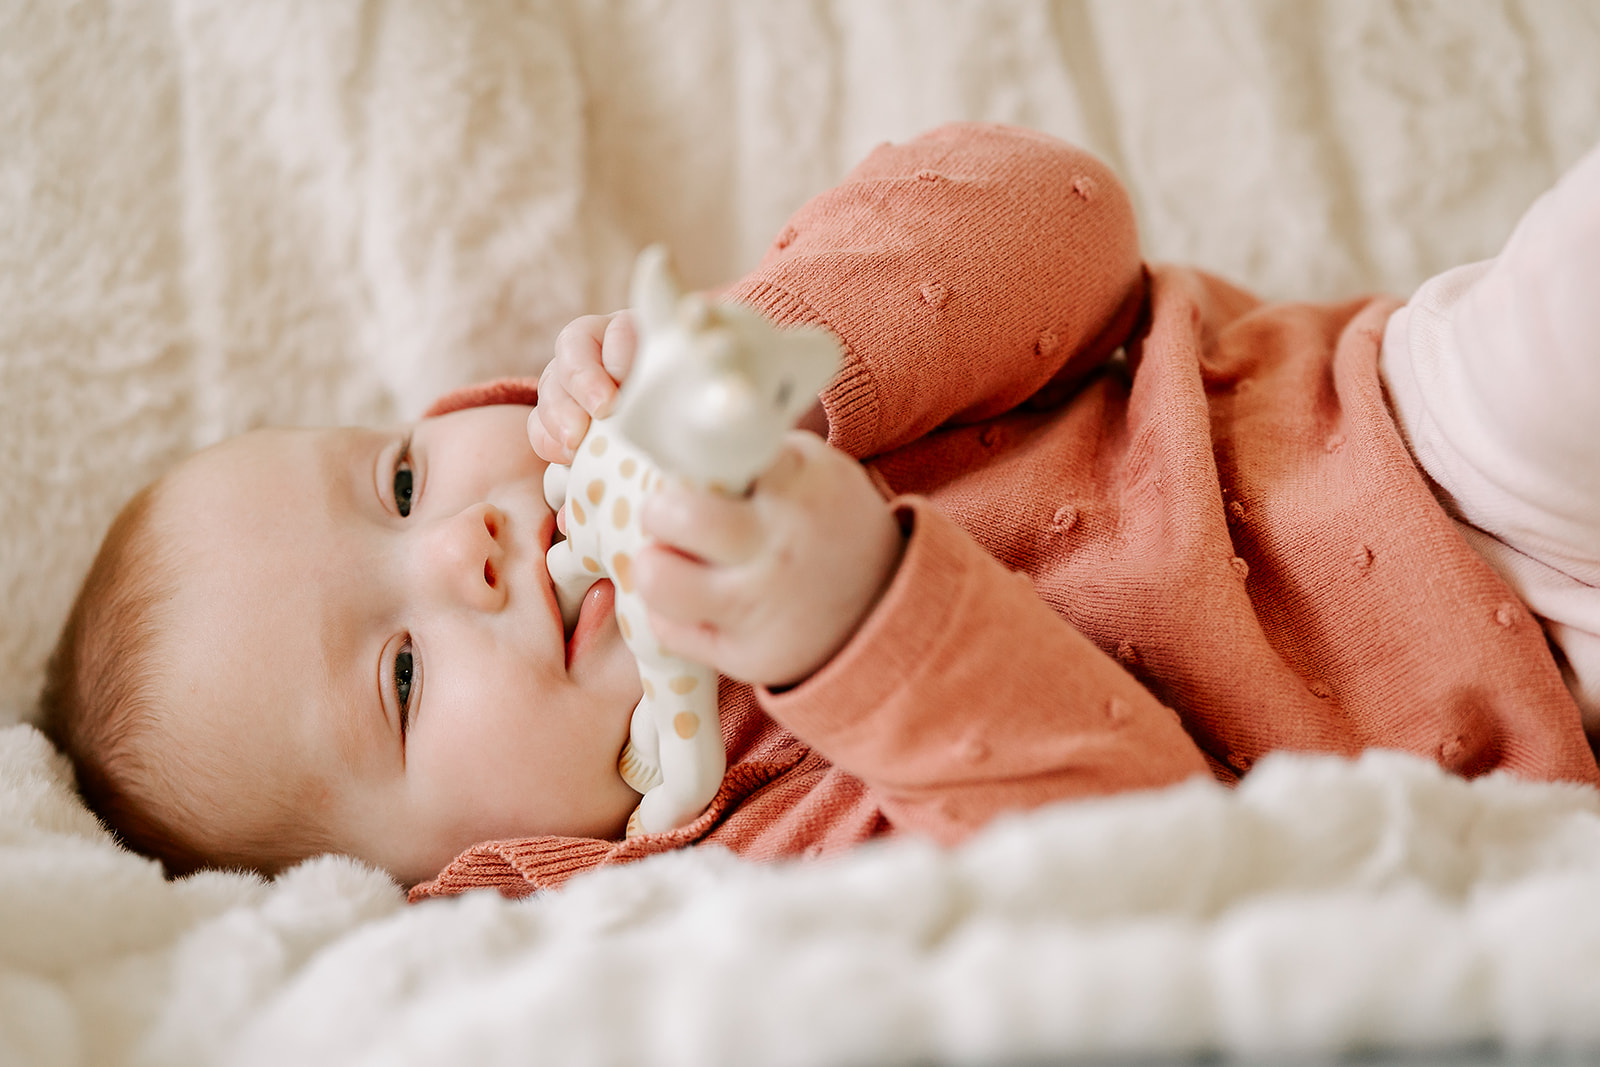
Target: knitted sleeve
x: 939, y: 264
x: 964, y: 695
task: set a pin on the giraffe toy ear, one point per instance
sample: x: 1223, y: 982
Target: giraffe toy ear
x: 654, y: 291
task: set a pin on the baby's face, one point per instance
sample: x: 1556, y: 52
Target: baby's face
x: 368, y: 618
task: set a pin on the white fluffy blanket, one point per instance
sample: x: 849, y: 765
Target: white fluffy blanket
x: 216, y: 214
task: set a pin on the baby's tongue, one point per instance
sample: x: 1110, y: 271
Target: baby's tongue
x: 598, y: 605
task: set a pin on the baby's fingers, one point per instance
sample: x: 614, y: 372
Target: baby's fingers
x: 578, y: 367
x: 718, y: 529
x: 617, y: 348
x: 689, y: 613
x: 556, y: 425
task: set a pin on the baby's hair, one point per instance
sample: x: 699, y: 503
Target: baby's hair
x: 102, y: 705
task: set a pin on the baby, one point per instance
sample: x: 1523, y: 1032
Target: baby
x: 1062, y: 525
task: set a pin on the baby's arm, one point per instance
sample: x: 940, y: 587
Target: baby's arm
x: 965, y: 272
x: 963, y: 695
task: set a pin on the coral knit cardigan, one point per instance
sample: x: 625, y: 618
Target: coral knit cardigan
x: 1119, y: 571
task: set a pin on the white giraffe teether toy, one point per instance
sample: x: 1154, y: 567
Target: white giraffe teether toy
x: 713, y: 390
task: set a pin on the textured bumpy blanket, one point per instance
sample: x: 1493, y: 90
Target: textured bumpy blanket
x: 217, y: 214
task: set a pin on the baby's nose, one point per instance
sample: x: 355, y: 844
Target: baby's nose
x: 466, y: 554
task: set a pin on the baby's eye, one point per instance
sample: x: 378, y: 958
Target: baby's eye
x: 402, y: 480
x: 403, y: 667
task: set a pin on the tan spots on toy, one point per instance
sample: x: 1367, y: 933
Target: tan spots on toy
x: 686, y: 724
x: 627, y: 467
x: 649, y: 688
x: 619, y: 513
x: 577, y: 511
x: 625, y: 627
x: 596, y: 491
x: 591, y: 564
x: 598, y: 446
x: 683, y: 683
x: 622, y: 571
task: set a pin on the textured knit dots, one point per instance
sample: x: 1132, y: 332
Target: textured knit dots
x: 1236, y: 511
x: 1505, y: 615
x: 1363, y: 558
x: 1127, y: 655
x: 686, y: 724
x: 1320, y: 689
x: 1047, y: 343
x: 991, y: 437
x: 1083, y: 186
x: 1065, y: 518
x: 934, y: 294
x: 1240, y: 567
x: 785, y: 238
x: 974, y: 749
x: 1452, y: 752
x: 1334, y: 443
x: 1117, y: 710
x: 929, y: 176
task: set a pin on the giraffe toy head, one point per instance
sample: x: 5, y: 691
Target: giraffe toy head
x: 714, y: 388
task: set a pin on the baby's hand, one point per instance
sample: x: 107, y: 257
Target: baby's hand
x: 592, y: 356
x: 767, y: 587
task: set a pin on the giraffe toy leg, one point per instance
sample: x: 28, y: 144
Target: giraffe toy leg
x: 688, y: 743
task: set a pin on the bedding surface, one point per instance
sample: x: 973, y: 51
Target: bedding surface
x: 220, y: 214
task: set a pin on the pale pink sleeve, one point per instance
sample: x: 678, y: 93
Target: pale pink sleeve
x: 964, y: 696
x: 964, y: 272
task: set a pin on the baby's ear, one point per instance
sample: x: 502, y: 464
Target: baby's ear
x: 654, y: 292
